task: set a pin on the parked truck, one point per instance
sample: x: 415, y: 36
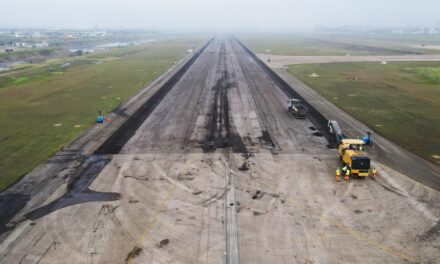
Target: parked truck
x: 297, y: 108
x: 335, y: 130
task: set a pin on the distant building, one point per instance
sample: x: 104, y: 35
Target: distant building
x: 37, y: 35
x: 42, y: 44
x: 433, y: 31
x: 23, y: 45
x: 97, y: 34
x: 18, y: 34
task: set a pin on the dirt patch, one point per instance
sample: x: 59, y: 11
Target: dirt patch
x: 266, y: 138
x: 257, y: 195
x: 248, y: 140
x: 132, y: 201
x: 244, y: 166
x: 317, y: 134
x: 353, y: 196
x: 185, y: 177
x: 357, y: 211
x: 136, y: 251
x: 164, y: 242
x: 239, y: 208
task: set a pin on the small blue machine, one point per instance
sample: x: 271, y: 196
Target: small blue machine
x: 100, y: 118
x: 367, y: 138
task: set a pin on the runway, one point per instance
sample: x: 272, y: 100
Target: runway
x: 217, y: 171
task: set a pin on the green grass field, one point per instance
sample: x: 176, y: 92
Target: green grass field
x: 327, y: 44
x: 43, y: 107
x: 400, y: 101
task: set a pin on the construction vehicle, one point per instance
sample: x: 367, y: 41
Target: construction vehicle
x: 297, y: 108
x: 335, y: 130
x: 351, y: 153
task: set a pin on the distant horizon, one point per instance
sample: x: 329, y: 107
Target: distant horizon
x: 206, y: 29
x: 220, y: 15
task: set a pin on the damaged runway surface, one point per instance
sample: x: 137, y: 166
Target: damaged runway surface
x: 212, y: 169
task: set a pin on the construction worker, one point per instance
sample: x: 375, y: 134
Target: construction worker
x: 338, y: 174
x: 344, y: 169
x: 374, y: 172
x: 347, y: 174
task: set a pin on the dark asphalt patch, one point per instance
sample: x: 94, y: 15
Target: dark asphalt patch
x: 78, y: 191
x: 220, y: 133
x: 317, y: 119
x: 10, y: 204
x: 317, y: 134
x: 266, y: 138
x: 120, y: 137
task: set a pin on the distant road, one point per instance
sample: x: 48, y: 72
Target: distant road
x: 278, y: 61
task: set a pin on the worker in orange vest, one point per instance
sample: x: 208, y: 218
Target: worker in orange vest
x: 338, y: 174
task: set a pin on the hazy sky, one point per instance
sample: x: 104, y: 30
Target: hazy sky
x: 218, y: 14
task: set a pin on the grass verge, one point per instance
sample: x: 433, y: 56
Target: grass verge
x: 400, y: 101
x: 45, y: 106
x: 326, y: 45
